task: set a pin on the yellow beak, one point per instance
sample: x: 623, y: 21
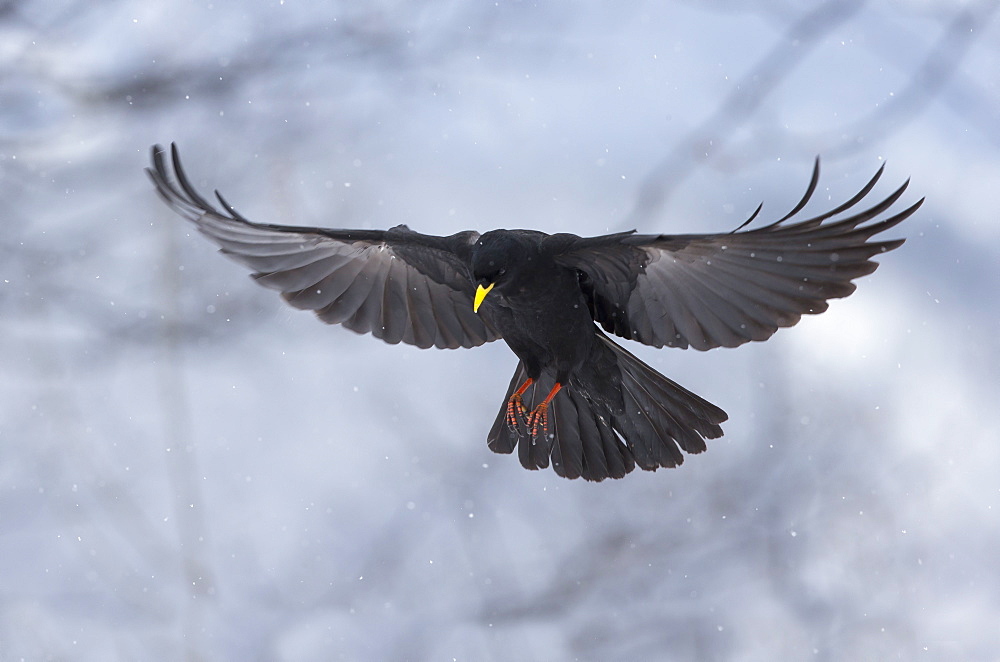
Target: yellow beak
x: 481, y: 293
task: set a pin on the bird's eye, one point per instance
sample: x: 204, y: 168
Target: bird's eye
x: 501, y: 273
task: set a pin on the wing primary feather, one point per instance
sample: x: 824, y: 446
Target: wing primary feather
x: 838, y: 227
x: 185, y: 184
x: 165, y: 187
x: 811, y: 224
x: 749, y: 220
x: 813, y: 182
x: 229, y: 208
x: 858, y: 197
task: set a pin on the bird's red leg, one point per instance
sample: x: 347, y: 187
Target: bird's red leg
x: 515, y: 406
x: 538, y: 419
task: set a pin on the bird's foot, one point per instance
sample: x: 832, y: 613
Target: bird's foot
x: 516, y: 411
x: 538, y: 420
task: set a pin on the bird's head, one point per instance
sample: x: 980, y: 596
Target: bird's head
x: 496, y: 258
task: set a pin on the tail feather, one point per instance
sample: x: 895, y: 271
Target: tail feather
x: 568, y: 447
x: 533, y: 452
x: 609, y: 419
x: 580, y: 443
x: 645, y: 428
x: 688, y: 418
x: 667, y: 412
x: 498, y: 440
x: 607, y: 456
x: 583, y: 444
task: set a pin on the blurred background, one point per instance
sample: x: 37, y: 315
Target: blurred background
x: 190, y: 469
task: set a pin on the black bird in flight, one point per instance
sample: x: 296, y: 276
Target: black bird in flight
x: 577, y: 398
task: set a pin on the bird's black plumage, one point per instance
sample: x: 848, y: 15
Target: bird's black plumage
x: 577, y: 399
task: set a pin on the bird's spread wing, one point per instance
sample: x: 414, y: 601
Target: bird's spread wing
x: 398, y: 285
x: 723, y: 290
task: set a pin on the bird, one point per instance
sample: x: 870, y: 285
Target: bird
x: 578, y: 400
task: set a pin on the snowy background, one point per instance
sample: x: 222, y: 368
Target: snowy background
x: 190, y: 469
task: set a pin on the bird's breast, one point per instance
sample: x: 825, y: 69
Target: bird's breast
x: 556, y: 332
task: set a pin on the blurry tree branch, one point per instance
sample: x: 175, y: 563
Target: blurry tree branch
x: 181, y: 463
x: 748, y: 94
x: 708, y: 140
x: 939, y: 69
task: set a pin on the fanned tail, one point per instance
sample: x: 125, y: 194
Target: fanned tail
x: 579, y: 441
x: 602, y: 427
